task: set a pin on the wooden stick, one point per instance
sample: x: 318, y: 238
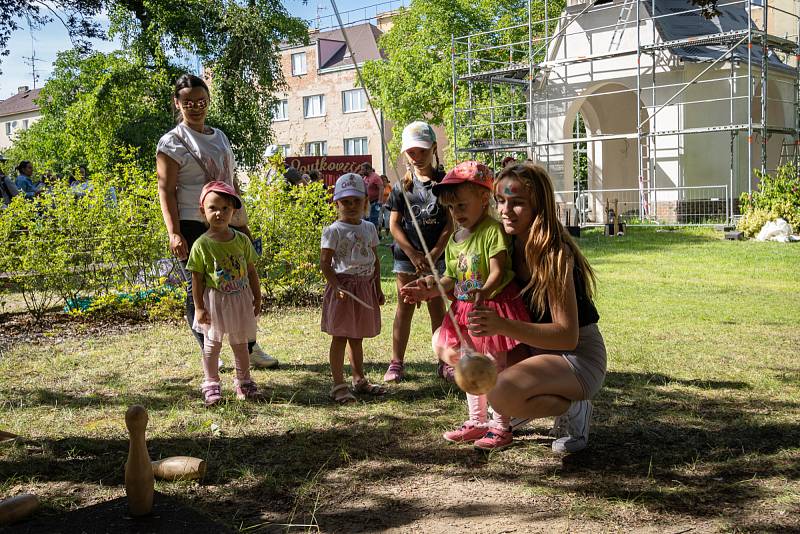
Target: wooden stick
x: 6, y: 436
x: 355, y: 298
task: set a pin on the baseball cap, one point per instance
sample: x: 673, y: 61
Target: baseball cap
x: 418, y: 134
x: 349, y: 185
x: 222, y: 188
x: 466, y: 171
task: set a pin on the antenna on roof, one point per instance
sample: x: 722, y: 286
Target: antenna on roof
x: 320, y: 9
x: 32, y: 59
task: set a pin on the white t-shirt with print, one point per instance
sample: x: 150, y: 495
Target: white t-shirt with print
x: 352, y: 246
x: 214, y: 150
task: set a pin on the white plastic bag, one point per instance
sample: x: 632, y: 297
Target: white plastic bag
x: 777, y: 230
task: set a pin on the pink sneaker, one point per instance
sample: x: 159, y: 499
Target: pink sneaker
x: 494, y: 440
x: 468, y: 432
x: 248, y: 391
x: 395, y: 372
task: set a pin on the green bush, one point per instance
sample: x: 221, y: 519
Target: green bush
x: 64, y: 246
x: 289, y: 220
x: 777, y: 196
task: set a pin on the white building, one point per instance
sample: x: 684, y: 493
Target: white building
x: 673, y: 129
x: 18, y: 113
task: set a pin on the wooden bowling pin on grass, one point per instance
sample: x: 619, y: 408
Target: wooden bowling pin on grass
x: 179, y: 468
x: 17, y: 508
x: 138, y: 470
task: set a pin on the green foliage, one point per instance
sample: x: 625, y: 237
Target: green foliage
x: 415, y: 80
x: 289, y: 220
x: 94, y: 108
x: 65, y: 246
x: 777, y: 196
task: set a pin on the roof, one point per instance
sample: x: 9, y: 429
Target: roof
x: 333, y: 49
x: 20, y: 103
x: 679, y: 19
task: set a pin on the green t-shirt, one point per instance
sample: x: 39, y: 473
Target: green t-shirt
x: 224, y: 263
x: 468, y: 261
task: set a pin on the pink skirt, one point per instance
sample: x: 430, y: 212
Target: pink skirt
x: 346, y: 317
x: 231, y: 313
x: 508, y: 305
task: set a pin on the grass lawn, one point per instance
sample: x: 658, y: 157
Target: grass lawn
x: 697, y: 428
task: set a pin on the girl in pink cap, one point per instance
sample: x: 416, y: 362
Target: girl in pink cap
x: 226, y: 291
x: 478, y: 273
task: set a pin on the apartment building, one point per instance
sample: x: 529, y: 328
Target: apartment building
x: 18, y: 113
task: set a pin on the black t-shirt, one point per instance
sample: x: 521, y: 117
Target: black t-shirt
x: 431, y: 215
x: 587, y: 312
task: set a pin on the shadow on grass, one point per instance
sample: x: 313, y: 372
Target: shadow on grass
x: 674, y: 450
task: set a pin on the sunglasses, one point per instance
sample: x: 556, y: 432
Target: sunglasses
x: 191, y: 104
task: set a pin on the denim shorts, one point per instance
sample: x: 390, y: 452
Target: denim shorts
x: 406, y: 267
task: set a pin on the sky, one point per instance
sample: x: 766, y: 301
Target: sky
x: 48, y: 41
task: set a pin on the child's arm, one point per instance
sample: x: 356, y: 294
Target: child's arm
x: 326, y: 265
x: 255, y: 287
x: 198, y: 289
x: 377, y: 277
x: 425, y: 289
x: 401, y: 240
x: 493, y: 281
x: 441, y: 243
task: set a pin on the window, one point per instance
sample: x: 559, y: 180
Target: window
x: 299, y: 64
x: 8, y: 128
x: 281, y: 111
x: 25, y: 124
x: 354, y: 100
x: 356, y: 146
x: 317, y: 148
x: 314, y: 106
x: 284, y: 150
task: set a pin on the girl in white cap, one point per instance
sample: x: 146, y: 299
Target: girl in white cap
x: 419, y: 147
x: 353, y: 295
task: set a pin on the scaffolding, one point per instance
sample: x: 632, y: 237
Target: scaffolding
x: 518, y: 90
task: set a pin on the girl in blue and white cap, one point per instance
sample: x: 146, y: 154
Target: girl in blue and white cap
x: 353, y: 295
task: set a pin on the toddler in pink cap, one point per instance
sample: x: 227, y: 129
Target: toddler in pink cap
x: 226, y: 291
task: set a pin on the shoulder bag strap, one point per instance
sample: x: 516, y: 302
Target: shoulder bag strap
x: 196, y: 157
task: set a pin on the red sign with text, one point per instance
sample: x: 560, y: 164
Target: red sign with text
x: 329, y: 167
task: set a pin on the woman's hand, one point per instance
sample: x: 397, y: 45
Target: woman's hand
x: 419, y: 290
x: 177, y: 244
x: 202, y: 316
x: 484, y: 321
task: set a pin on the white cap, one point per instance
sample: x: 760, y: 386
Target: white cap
x: 349, y: 185
x: 418, y: 134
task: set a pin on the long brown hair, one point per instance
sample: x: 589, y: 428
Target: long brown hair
x: 549, y: 246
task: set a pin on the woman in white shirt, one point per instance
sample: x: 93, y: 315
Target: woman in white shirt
x: 187, y: 157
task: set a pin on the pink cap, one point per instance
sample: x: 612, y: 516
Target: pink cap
x: 467, y: 171
x: 222, y: 188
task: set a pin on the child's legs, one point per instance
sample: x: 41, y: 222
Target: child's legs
x: 500, y: 420
x: 401, y: 328
x: 449, y: 355
x: 336, y: 358
x: 437, y: 310
x: 356, y: 354
x: 477, y: 405
x: 241, y: 357
x: 211, y: 350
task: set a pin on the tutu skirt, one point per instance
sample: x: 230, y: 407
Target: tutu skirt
x: 508, y: 305
x: 231, y: 313
x: 346, y: 317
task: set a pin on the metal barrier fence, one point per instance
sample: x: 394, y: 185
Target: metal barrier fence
x: 680, y: 206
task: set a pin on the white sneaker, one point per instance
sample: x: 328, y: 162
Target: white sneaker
x: 262, y: 360
x: 518, y: 422
x: 578, y: 417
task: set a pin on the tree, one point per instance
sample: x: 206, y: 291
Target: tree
x: 236, y: 40
x: 94, y: 107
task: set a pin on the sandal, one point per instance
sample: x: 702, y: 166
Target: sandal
x: 341, y: 394
x: 212, y: 394
x: 362, y: 385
